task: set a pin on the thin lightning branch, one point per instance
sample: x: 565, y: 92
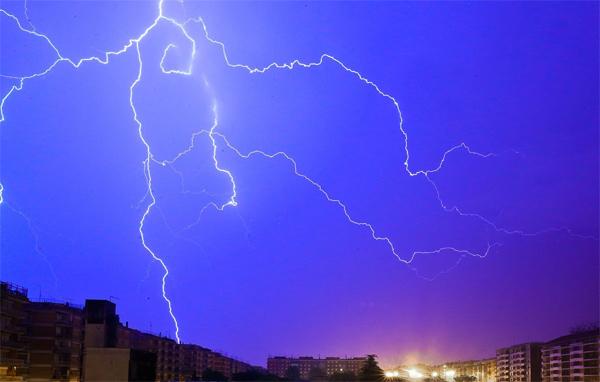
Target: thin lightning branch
x: 35, y: 236
x: 461, y: 251
x: 503, y: 230
x: 342, y: 205
x: 27, y: 17
x: 212, y: 134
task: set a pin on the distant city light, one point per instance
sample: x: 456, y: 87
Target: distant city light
x: 450, y: 373
x: 412, y: 373
x: 435, y: 374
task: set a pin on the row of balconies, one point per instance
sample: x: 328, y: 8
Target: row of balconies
x: 63, y: 321
x: 14, y: 345
x: 62, y: 362
x: 5, y: 361
x: 15, y: 313
x: 62, y: 349
x: 11, y: 328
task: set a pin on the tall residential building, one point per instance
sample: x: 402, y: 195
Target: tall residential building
x: 519, y: 363
x: 574, y: 357
x: 484, y: 370
x: 309, y: 366
x: 14, y: 359
x: 56, y: 330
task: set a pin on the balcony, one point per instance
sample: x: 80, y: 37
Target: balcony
x: 61, y: 349
x: 14, y: 313
x: 62, y: 362
x: 12, y: 345
x: 64, y: 322
x: 60, y: 377
x: 12, y: 361
x: 11, y: 328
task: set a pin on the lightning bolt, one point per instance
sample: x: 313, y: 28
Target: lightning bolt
x: 214, y: 136
x: 35, y: 236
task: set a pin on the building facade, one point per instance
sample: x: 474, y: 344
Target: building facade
x: 572, y: 358
x: 519, y: 363
x: 310, y: 367
x: 484, y: 370
x: 14, y: 358
x: 56, y: 332
x: 55, y: 341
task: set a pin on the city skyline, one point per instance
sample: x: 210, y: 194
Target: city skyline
x: 418, y: 181
x: 533, y: 360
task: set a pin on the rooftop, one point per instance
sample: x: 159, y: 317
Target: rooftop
x: 575, y: 337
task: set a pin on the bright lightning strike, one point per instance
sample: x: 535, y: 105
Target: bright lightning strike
x: 215, y: 136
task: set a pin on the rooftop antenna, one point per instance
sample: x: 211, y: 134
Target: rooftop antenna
x: 40, y: 291
x: 110, y: 298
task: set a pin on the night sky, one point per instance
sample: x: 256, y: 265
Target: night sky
x: 284, y: 272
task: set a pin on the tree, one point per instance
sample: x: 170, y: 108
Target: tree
x: 584, y: 327
x: 246, y: 376
x: 253, y: 375
x: 371, y: 370
x: 465, y: 378
x: 271, y: 378
x: 343, y: 376
x: 293, y: 373
x: 316, y: 374
x: 213, y: 375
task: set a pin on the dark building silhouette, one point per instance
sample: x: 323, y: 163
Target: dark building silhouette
x: 14, y: 359
x: 50, y: 340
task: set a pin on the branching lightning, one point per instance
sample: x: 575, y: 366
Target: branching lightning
x: 217, y: 137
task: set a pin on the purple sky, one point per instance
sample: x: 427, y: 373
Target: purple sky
x: 285, y: 271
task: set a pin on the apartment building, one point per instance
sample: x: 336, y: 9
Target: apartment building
x: 195, y: 359
x: 14, y: 356
x: 56, y: 335
x: 310, y: 366
x: 519, y: 363
x: 484, y: 370
x: 574, y: 357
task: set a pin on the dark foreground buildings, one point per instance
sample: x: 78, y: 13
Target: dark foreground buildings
x: 49, y: 340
